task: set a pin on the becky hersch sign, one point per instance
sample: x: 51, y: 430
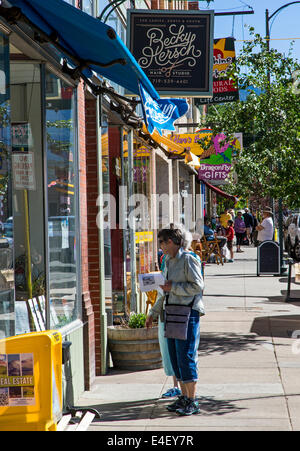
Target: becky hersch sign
x: 174, y: 49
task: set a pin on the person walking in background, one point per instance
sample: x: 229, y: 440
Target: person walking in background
x: 249, y: 223
x: 240, y: 229
x: 183, y: 287
x: 224, y: 218
x: 254, y: 233
x: 230, y: 236
x: 266, y: 227
x: 231, y: 212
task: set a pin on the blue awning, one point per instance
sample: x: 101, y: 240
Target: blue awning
x: 88, y: 40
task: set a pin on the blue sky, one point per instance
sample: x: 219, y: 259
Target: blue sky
x: 285, y: 24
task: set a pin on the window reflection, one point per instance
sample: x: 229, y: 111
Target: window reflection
x: 27, y: 224
x: 88, y: 6
x: 60, y: 129
x: 6, y: 224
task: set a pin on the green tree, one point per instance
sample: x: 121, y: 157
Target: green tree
x: 269, y: 119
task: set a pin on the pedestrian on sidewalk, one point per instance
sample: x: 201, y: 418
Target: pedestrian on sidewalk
x: 225, y: 217
x: 240, y: 230
x: 249, y: 223
x: 183, y: 287
x: 266, y: 227
x: 158, y: 311
x: 254, y: 231
x: 230, y: 236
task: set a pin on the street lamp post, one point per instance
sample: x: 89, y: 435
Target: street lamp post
x: 283, y: 268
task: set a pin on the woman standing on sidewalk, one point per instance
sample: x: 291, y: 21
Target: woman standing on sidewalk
x: 158, y: 310
x: 240, y: 229
x: 183, y: 287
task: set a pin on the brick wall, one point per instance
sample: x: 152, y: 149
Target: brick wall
x: 93, y: 237
x: 87, y: 307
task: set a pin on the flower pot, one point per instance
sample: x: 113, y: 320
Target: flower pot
x: 134, y: 349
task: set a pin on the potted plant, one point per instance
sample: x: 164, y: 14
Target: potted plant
x: 132, y: 346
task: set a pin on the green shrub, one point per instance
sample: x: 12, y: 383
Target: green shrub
x: 137, y: 320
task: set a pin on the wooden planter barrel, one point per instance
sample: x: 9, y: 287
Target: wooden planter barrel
x: 134, y: 349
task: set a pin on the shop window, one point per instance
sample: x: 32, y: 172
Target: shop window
x: 87, y: 6
x: 142, y: 190
x: 62, y: 201
x: 7, y: 323
x: 27, y: 192
x: 106, y: 190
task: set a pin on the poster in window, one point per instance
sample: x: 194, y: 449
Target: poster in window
x: 17, y: 380
x: 174, y: 49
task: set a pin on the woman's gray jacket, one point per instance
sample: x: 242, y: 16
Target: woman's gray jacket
x: 184, y: 270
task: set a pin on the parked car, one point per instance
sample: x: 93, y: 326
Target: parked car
x: 293, y: 236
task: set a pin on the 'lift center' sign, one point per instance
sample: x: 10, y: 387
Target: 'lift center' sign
x: 174, y: 49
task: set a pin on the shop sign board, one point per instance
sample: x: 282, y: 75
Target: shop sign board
x: 216, y: 165
x: 141, y: 237
x: 190, y: 142
x: 224, y: 89
x: 215, y: 158
x: 268, y: 258
x: 174, y: 49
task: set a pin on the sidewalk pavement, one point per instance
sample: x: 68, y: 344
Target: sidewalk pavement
x: 249, y: 363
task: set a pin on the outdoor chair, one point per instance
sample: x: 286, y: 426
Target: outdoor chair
x: 210, y: 247
x: 197, y: 248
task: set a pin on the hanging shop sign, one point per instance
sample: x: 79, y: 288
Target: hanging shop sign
x: 188, y: 141
x: 161, y: 114
x: 224, y: 89
x: 216, y: 160
x: 174, y: 49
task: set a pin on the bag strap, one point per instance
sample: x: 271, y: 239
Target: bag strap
x: 167, y: 294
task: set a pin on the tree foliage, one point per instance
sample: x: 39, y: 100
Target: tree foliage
x: 269, y: 119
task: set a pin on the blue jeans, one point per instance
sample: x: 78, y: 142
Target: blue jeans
x: 184, y: 353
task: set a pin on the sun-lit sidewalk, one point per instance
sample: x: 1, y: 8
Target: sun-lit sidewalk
x: 249, y: 361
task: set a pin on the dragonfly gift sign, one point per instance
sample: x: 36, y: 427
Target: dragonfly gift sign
x: 174, y: 49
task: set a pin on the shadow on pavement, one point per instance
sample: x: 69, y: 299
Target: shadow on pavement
x: 276, y: 326
x: 212, y: 406
x: 223, y: 343
x: 156, y: 408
